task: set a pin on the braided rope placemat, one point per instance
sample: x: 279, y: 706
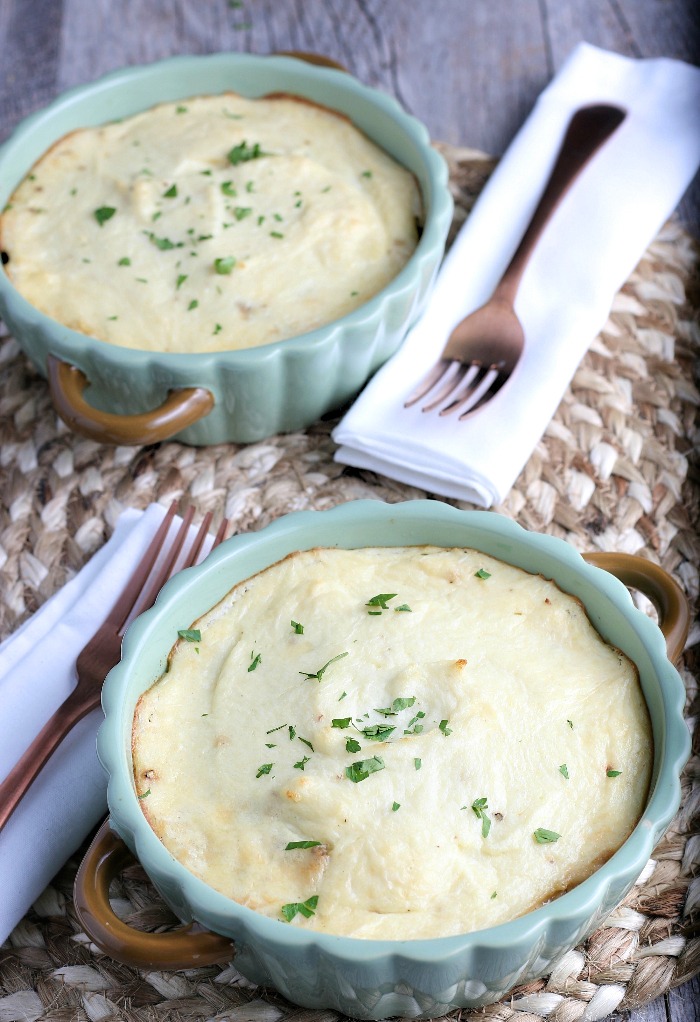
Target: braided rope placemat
x: 614, y: 471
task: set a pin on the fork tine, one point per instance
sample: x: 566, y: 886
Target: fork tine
x: 470, y: 395
x: 147, y: 597
x: 431, y: 378
x: 463, y: 375
x: 498, y: 382
x: 123, y: 605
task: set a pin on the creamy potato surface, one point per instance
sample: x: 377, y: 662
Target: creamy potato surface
x: 393, y: 743
x: 215, y: 223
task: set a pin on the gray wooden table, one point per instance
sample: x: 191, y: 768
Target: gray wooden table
x: 470, y: 69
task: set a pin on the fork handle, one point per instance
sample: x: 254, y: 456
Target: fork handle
x: 588, y: 129
x: 20, y: 778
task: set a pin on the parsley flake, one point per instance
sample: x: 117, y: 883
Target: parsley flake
x: 224, y: 265
x: 341, y: 722
x: 401, y: 703
x: 377, y: 732
x: 171, y: 192
x: 403, y: 608
x: 482, y: 573
x: 190, y: 634
x: 564, y: 771
x: 182, y: 277
x: 444, y: 728
x: 193, y: 305
x: 104, y: 213
x: 298, y: 629
x: 228, y: 189
x: 418, y: 763
x: 302, y: 763
x: 264, y: 769
x: 305, y: 908
x: 351, y: 745
x: 395, y: 806
x: 145, y: 794
x: 381, y: 600
x: 301, y: 844
x: 242, y: 152
x: 255, y: 660
x: 273, y: 729
x: 479, y: 807
x: 241, y: 212
x: 545, y: 837
x: 321, y: 671
x: 613, y: 773
x: 362, y: 768
x: 124, y: 261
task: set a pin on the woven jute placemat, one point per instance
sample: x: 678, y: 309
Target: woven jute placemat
x: 614, y: 471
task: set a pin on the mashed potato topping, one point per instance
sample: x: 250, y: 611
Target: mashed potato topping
x: 215, y: 223
x: 393, y: 743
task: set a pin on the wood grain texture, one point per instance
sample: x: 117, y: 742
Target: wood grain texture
x: 470, y: 69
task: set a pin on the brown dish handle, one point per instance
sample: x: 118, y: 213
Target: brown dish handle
x: 185, y: 948
x: 656, y: 584
x: 180, y: 409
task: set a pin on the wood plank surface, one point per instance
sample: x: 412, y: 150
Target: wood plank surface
x: 470, y: 69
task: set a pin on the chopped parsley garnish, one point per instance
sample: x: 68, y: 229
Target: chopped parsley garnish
x: 418, y: 763
x: 321, y: 671
x: 304, y: 908
x: 403, y: 608
x: 571, y: 724
x: 276, y: 234
x: 545, y: 837
x: 255, y: 660
x: 412, y: 728
x: 228, y: 189
x: 401, y: 703
x: 264, y: 769
x: 241, y: 212
x: 482, y: 573
x: 190, y: 634
x: 145, y: 794
x: 377, y: 732
x: 302, y: 763
x: 381, y: 600
x: 273, y: 729
x: 164, y: 244
x: 306, y: 742
x: 224, y: 265
x: 613, y: 773
x: 124, y: 261
x: 564, y: 771
x: 479, y: 807
x: 193, y: 305
x: 362, y: 768
x: 171, y: 192
x: 342, y: 696
x: 395, y: 806
x: 351, y: 745
x: 292, y: 732
x: 104, y: 213
x: 301, y: 844
x: 182, y: 277
x: 444, y: 728
x: 494, y: 895
x: 341, y: 722
x: 217, y: 329
x: 298, y: 629
x: 243, y: 152
x: 366, y: 173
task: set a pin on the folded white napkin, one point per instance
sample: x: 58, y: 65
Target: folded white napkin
x: 36, y: 674
x: 590, y: 247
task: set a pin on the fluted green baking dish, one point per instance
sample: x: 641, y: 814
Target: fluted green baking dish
x: 368, y: 978
x: 136, y: 396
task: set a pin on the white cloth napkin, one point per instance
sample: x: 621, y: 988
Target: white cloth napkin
x: 36, y: 674
x: 591, y: 246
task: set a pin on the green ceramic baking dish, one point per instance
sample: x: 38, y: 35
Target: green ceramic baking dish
x: 373, y: 979
x: 136, y: 396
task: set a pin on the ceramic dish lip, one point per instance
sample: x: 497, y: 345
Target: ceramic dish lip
x: 438, y: 214
x: 572, y: 908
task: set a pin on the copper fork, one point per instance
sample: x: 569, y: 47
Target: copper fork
x: 103, y: 650
x: 484, y: 348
